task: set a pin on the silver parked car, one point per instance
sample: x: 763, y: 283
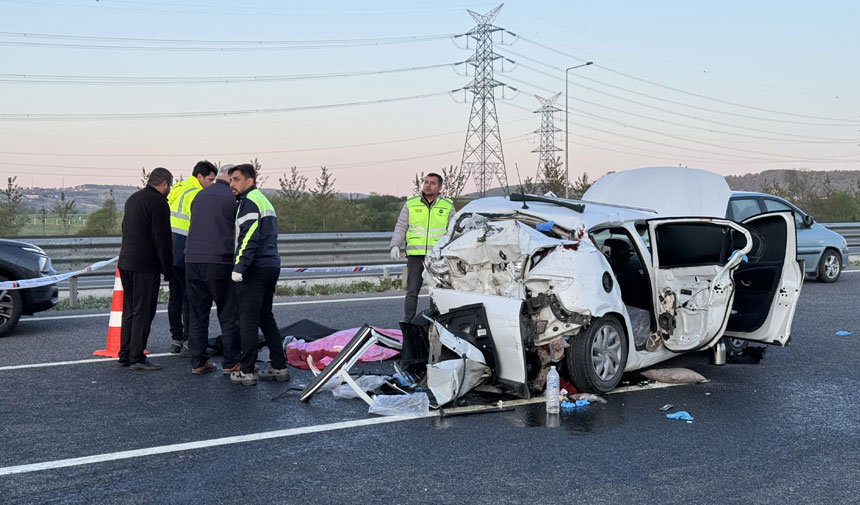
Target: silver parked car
x: 646, y: 266
x: 824, y: 252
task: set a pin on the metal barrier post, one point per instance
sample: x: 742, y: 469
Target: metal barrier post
x: 73, y: 291
x: 403, y: 279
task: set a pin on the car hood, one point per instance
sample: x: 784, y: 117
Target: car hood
x: 669, y: 191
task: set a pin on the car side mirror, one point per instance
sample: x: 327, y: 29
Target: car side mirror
x: 807, y: 220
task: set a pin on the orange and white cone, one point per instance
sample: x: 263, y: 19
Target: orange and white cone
x: 112, y: 345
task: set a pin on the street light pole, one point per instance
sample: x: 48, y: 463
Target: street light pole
x: 567, y: 131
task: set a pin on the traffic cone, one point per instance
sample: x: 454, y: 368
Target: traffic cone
x: 112, y: 345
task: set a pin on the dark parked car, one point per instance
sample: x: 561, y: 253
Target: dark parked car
x: 20, y: 260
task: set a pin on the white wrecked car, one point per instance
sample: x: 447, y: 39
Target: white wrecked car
x: 649, y: 272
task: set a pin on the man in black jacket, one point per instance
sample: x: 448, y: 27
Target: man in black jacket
x: 144, y: 255
x: 208, y: 263
x: 256, y: 268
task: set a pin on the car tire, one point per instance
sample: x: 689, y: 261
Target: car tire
x: 10, y: 309
x: 829, y: 266
x: 597, y: 358
x: 734, y: 346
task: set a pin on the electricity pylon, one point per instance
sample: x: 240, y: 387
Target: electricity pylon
x: 547, y: 131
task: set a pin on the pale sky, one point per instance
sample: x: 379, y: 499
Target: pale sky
x: 730, y: 86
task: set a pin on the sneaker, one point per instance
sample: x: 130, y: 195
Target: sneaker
x: 245, y: 379
x: 146, y: 366
x: 175, y: 346
x: 274, y: 374
x: 184, y: 352
x: 203, y: 369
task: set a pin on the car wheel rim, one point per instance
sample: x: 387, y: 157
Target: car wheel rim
x: 831, y: 266
x: 606, y: 352
x: 6, y: 308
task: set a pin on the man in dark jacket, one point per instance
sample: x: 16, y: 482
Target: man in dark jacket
x: 256, y: 269
x: 145, y: 254
x: 208, y: 264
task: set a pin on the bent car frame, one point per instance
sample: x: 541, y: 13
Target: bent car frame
x: 604, y: 288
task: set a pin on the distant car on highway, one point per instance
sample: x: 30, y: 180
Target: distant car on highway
x: 21, y: 260
x: 823, y: 251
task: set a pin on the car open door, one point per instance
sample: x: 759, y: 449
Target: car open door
x: 693, y: 260
x: 768, y: 284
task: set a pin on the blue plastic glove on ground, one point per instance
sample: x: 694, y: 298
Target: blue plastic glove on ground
x: 681, y: 414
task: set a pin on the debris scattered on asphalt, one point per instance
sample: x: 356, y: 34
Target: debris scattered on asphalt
x: 843, y: 333
x: 666, y: 407
x: 674, y: 375
x: 574, y: 405
x: 586, y: 396
x: 681, y: 414
x: 410, y: 405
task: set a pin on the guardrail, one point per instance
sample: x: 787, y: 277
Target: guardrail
x: 297, y: 250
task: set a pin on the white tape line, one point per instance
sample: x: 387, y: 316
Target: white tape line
x: 202, y: 444
x: 53, y: 279
x: 78, y: 362
x: 216, y: 442
x: 279, y: 304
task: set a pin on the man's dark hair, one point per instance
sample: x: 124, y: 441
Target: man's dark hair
x: 205, y: 168
x: 247, y: 170
x: 159, y: 175
x: 437, y: 176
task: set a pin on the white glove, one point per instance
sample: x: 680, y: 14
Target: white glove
x: 395, y: 253
x: 236, y: 276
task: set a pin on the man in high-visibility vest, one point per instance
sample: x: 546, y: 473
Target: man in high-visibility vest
x: 179, y: 199
x: 423, y: 221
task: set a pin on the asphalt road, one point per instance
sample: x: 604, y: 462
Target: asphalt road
x: 782, y: 431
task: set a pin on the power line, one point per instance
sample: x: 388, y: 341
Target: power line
x: 149, y: 80
x: 87, y: 42
x: 697, y: 95
x: 247, y: 153
x: 171, y: 115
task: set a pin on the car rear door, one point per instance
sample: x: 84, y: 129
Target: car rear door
x: 768, y: 284
x: 692, y: 263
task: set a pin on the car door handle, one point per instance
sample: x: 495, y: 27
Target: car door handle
x: 745, y: 283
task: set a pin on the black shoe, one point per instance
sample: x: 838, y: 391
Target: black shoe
x: 123, y: 364
x: 146, y: 366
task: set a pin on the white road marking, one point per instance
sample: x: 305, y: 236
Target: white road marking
x: 278, y: 304
x: 77, y: 362
x: 253, y: 437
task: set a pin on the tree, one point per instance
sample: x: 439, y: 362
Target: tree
x: 65, y: 208
x: 43, y: 217
x: 323, y: 197
x: 580, y: 186
x: 291, y: 198
x: 552, y: 177
x: 11, y: 220
x: 258, y: 168
x: 144, y: 177
x: 104, y: 221
x: 454, y: 183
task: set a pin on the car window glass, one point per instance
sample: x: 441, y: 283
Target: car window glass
x: 743, y: 208
x: 773, y: 205
x: 691, y: 244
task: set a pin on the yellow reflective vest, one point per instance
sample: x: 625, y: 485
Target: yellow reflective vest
x: 179, y: 199
x: 426, y: 225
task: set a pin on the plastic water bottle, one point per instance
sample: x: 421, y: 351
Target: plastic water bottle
x: 551, y: 391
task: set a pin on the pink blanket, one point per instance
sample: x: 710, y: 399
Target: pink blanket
x: 324, y: 350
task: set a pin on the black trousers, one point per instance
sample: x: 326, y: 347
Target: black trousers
x: 139, y: 299
x: 414, y: 271
x: 177, y: 305
x: 255, y: 294
x: 205, y: 283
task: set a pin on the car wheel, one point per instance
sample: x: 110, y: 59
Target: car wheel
x: 734, y: 346
x: 10, y: 309
x: 830, y: 266
x: 597, y: 358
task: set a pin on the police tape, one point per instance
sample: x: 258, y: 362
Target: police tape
x: 53, y: 279
x: 342, y: 270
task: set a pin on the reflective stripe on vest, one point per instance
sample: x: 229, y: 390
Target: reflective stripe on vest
x: 426, y: 225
